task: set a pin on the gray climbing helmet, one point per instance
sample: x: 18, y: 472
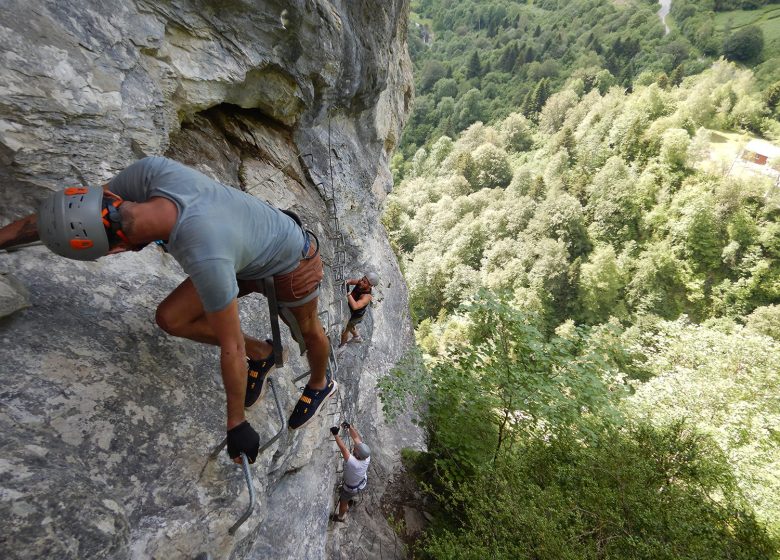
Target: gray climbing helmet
x: 373, y: 278
x: 70, y: 223
x: 362, y: 451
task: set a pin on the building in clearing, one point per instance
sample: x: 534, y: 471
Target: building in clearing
x: 759, y: 156
x: 760, y: 152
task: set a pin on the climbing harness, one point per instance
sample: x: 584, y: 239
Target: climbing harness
x: 359, y: 485
x: 284, y: 308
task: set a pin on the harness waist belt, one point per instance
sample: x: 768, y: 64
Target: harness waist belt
x: 361, y: 483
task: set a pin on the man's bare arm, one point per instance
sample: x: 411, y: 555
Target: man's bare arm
x: 342, y: 447
x: 227, y: 326
x: 353, y: 433
x: 360, y: 303
x: 19, y: 232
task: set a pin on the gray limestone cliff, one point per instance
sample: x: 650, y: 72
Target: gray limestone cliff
x: 107, y: 422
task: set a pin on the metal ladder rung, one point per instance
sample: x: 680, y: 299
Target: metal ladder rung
x: 245, y: 461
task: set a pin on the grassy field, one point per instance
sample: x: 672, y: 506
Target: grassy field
x: 414, y: 17
x: 767, y: 18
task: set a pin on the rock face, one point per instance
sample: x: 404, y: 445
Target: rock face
x: 107, y: 422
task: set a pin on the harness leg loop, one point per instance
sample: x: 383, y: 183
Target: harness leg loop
x: 273, y: 311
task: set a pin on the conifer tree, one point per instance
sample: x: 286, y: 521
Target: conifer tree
x: 677, y: 75
x: 508, y: 57
x: 527, y: 106
x: 474, y: 68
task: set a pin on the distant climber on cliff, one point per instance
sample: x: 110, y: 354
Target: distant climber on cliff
x: 355, y: 469
x: 226, y: 241
x: 358, y: 299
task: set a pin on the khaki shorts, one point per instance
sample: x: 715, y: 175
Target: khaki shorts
x: 293, y: 286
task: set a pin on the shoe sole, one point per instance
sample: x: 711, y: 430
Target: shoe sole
x: 264, y: 388
x: 322, y: 404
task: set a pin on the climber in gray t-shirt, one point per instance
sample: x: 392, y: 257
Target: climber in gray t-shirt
x: 226, y: 241
x: 221, y: 233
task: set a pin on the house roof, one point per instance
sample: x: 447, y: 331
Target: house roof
x: 763, y: 148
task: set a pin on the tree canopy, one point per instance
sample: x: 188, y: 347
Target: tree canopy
x: 596, y: 296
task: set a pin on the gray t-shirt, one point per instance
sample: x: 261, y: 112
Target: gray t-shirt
x: 221, y: 233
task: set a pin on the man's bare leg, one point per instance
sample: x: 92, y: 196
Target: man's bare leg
x: 343, y: 508
x: 181, y: 314
x: 317, y: 344
x: 350, y: 330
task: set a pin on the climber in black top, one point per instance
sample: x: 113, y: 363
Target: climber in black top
x: 358, y: 300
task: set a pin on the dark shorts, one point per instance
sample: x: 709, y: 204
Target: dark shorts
x: 354, y: 322
x: 346, y: 494
x: 293, y: 286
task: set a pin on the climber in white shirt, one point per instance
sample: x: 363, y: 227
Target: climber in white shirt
x: 355, y: 469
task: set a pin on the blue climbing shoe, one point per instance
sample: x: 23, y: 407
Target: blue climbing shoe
x: 257, y: 376
x: 310, y: 404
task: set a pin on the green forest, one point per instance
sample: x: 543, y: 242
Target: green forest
x: 594, y: 281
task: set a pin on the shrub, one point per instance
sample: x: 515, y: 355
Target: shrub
x: 765, y: 320
x: 491, y: 167
x: 745, y: 44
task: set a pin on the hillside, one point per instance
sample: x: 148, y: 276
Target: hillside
x: 596, y: 289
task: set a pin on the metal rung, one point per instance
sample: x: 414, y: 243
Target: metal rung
x: 326, y: 313
x: 251, y: 506
x: 268, y: 444
x: 245, y: 460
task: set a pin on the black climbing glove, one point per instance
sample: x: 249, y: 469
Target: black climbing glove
x: 334, y: 430
x: 345, y: 425
x: 243, y: 438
